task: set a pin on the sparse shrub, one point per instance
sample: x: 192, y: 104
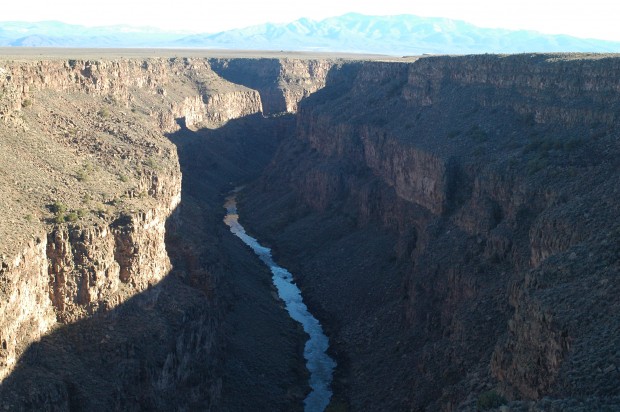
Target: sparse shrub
x: 514, y: 144
x: 28, y: 218
x: 490, y: 399
x: 61, y: 215
x: 71, y: 217
x: 528, y: 119
x: 117, y: 201
x: 102, y: 210
x: 123, y: 178
x: 58, y: 208
x: 26, y: 103
x: 152, y: 163
x: 104, y: 112
x: 472, y: 111
x: 572, y: 172
x: 83, y: 174
x: 546, y: 145
x: 113, y: 99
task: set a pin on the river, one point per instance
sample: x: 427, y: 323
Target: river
x: 319, y: 363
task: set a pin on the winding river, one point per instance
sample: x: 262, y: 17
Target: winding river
x: 320, y: 365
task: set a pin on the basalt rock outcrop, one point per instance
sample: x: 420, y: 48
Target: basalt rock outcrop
x: 282, y: 83
x: 459, y: 224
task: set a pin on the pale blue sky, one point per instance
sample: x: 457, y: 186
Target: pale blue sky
x: 594, y: 18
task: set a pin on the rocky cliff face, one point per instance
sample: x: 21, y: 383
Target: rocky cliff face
x: 92, y: 253
x: 89, y: 186
x: 282, y: 83
x: 97, y: 268
x: 457, y: 218
x: 479, y: 178
x: 26, y: 313
x: 209, y: 101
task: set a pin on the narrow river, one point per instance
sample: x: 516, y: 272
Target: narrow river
x: 320, y: 365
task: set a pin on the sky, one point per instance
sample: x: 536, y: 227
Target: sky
x: 591, y: 19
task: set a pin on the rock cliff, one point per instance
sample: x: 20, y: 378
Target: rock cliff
x: 91, y: 185
x: 467, y: 196
x: 282, y: 83
x: 452, y: 221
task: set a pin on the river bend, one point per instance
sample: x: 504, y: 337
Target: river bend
x: 319, y: 363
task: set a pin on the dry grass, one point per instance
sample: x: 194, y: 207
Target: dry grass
x: 61, y: 151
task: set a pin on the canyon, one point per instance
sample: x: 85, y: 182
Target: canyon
x: 451, y: 221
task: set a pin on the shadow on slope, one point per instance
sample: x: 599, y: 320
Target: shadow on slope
x: 210, y: 336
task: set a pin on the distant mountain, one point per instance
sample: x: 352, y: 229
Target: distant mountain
x: 396, y: 35
x: 58, y: 34
x: 403, y: 34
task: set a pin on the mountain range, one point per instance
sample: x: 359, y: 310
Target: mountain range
x: 356, y: 33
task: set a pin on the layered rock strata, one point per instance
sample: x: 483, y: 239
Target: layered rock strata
x: 470, y: 196
x: 282, y: 83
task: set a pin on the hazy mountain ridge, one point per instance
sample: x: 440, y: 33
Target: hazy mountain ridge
x: 59, y: 34
x: 398, y: 35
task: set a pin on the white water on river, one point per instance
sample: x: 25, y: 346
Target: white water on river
x: 318, y: 362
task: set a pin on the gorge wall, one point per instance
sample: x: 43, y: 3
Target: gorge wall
x: 451, y: 221
x: 91, y: 189
x: 456, y: 214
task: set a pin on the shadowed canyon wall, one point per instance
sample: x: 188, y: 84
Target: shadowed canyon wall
x: 453, y: 209
x: 452, y: 222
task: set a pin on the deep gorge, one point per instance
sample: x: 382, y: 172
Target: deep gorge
x: 451, y: 221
